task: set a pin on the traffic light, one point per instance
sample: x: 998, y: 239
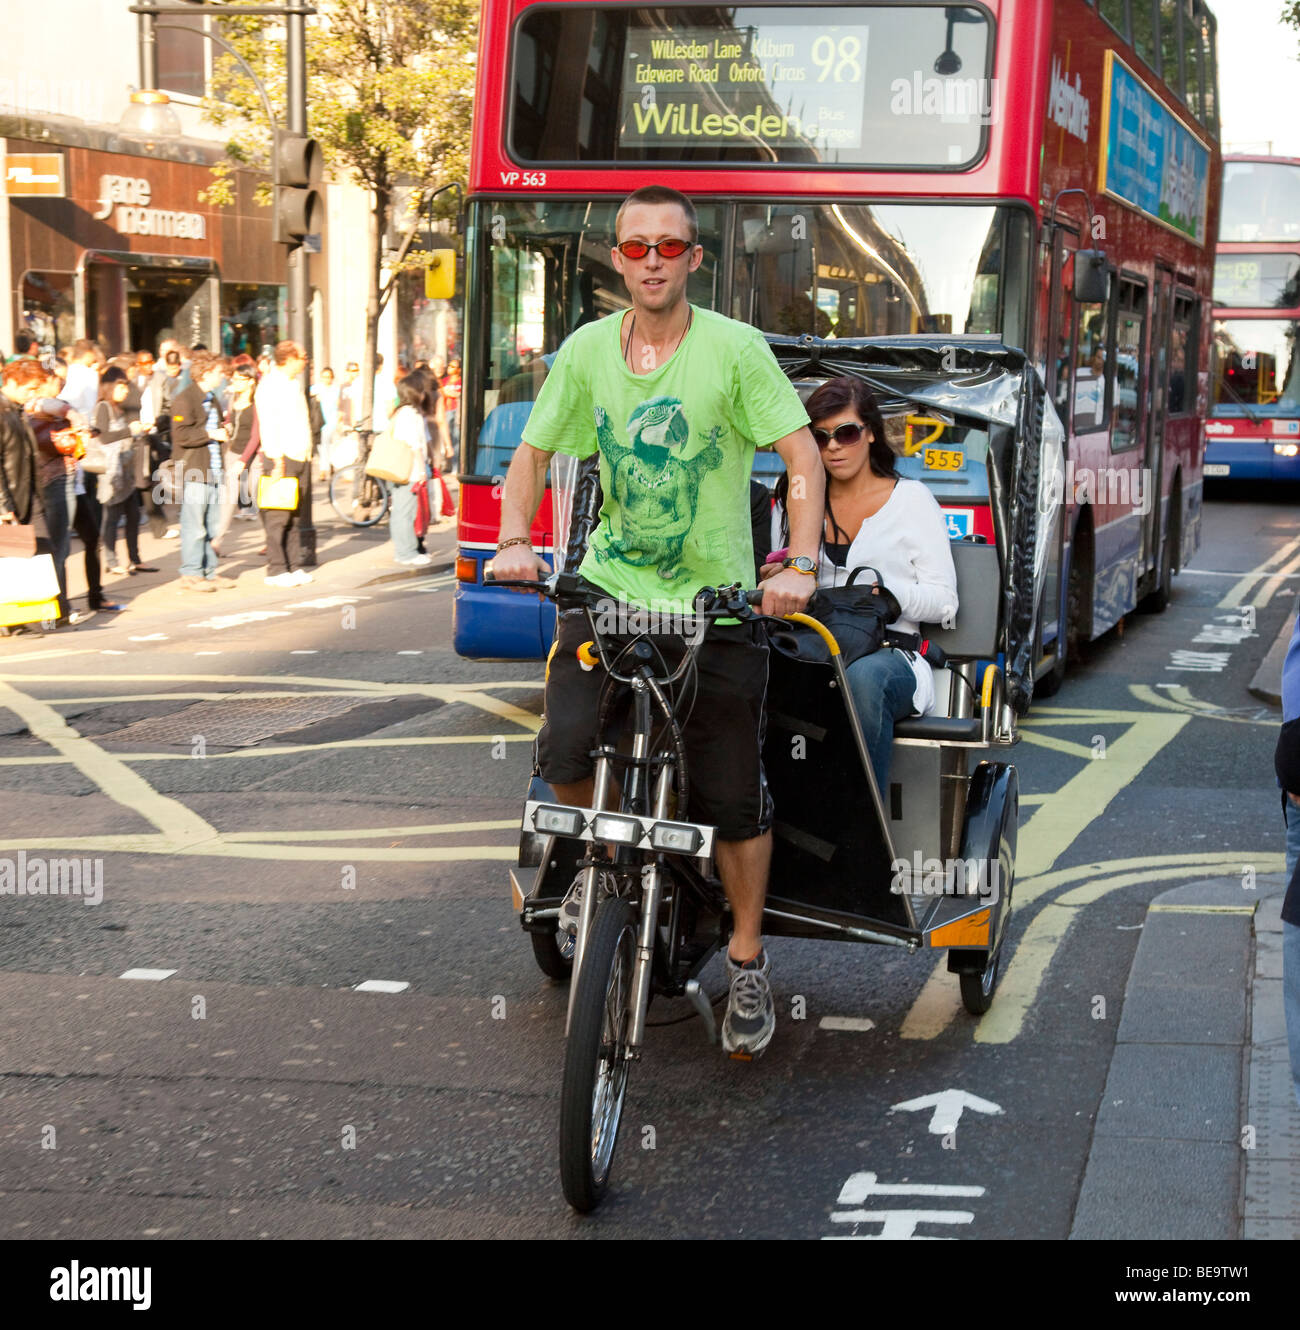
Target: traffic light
x: 299, y: 208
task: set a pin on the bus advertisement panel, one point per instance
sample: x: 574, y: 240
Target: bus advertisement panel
x: 1254, y: 428
x: 864, y: 170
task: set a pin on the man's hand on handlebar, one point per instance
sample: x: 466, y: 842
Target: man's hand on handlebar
x: 518, y: 563
x: 787, y: 592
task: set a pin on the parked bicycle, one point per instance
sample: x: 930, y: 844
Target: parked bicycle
x: 359, y: 499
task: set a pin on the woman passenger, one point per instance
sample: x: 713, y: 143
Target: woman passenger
x: 876, y: 519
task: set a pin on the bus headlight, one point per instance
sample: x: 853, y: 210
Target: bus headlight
x: 1287, y: 449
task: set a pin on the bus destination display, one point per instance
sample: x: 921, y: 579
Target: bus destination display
x: 775, y: 86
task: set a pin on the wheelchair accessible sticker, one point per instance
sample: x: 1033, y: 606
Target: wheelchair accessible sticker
x: 961, y: 522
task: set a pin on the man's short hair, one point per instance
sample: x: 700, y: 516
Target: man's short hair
x: 203, y: 363
x: 287, y: 351
x: 656, y: 194
x: 83, y: 346
x: 23, y: 342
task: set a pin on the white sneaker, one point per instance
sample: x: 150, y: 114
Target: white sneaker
x: 172, y: 533
x: 301, y: 577
x: 418, y: 561
x: 282, y: 579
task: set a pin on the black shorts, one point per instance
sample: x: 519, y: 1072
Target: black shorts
x: 723, y: 734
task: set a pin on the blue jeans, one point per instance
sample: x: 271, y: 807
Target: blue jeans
x: 1291, y: 951
x: 200, y: 522
x: 882, y: 685
x: 401, y: 522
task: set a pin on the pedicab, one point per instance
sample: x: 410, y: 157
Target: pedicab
x: 927, y: 864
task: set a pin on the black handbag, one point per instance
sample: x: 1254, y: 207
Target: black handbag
x: 857, y: 615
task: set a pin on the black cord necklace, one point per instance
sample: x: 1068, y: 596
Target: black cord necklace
x: 690, y: 316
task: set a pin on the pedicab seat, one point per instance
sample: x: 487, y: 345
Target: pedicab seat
x: 953, y: 729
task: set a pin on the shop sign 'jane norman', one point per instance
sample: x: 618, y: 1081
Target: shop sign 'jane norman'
x: 129, y: 196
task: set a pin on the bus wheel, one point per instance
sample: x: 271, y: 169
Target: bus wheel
x: 1158, y: 601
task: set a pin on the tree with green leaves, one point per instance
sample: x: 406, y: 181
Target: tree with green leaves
x: 389, y: 90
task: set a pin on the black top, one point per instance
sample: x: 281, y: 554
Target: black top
x: 838, y: 554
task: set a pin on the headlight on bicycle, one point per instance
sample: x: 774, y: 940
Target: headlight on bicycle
x: 551, y: 821
x: 620, y: 830
x: 676, y: 837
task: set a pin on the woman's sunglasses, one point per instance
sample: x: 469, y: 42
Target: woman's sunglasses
x: 845, y: 435
x: 666, y: 249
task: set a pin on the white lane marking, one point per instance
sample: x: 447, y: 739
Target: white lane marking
x: 109, y: 652
x: 846, y: 1023
x: 146, y: 974
x: 150, y: 637
x: 207, y: 653
x: 862, y: 1185
x: 234, y: 620
x: 381, y: 986
x: 327, y: 602
x: 948, y: 1107
x: 896, y: 1224
x: 1200, y: 662
x: 302, y: 653
x: 410, y: 653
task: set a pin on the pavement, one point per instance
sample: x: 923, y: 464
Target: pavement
x: 1198, y: 1131
x: 345, y: 555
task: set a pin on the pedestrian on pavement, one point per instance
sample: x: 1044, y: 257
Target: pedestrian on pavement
x: 21, y: 500
x: 1286, y: 761
x: 327, y: 393
x: 241, y: 428
x: 451, y: 390
x: 197, y: 439
x: 409, y: 427
x: 81, y: 388
x: 284, y: 425
x: 116, y: 491
x: 56, y: 447
x: 435, y: 420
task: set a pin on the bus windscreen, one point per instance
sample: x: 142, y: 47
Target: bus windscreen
x: 1256, y: 369
x: 1261, y: 202
x: 1257, y: 281
x: 883, y: 85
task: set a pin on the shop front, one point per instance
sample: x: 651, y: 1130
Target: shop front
x: 131, y: 256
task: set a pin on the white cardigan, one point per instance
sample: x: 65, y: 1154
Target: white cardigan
x: 907, y: 542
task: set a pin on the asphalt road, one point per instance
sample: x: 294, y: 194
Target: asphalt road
x: 288, y: 807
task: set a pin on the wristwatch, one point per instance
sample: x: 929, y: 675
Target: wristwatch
x: 801, y: 564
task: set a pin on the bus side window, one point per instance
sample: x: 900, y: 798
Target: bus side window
x: 1131, y: 315
x: 1094, y: 362
x: 1182, y: 355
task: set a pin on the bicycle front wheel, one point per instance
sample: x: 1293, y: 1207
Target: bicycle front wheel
x: 596, y: 1058
x: 358, y: 498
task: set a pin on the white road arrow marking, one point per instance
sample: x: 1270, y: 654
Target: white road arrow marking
x: 948, y: 1106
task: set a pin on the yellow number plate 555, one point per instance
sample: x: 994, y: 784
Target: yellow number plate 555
x: 944, y: 459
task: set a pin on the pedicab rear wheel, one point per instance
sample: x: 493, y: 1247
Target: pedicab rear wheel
x: 596, y: 1057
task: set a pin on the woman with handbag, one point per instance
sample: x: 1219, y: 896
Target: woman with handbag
x: 285, y: 429
x: 409, y: 429
x: 117, y: 493
x: 878, y: 521
x: 242, y: 440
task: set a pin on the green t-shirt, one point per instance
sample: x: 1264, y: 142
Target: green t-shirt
x: 676, y: 447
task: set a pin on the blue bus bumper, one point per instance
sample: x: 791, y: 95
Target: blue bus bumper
x: 1249, y: 459
x: 491, y: 623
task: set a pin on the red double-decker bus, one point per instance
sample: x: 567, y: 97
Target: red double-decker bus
x: 1254, y: 428
x: 860, y: 170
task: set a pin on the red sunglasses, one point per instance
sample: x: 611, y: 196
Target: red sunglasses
x: 666, y: 249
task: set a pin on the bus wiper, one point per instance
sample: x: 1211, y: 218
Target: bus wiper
x: 1250, y: 415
